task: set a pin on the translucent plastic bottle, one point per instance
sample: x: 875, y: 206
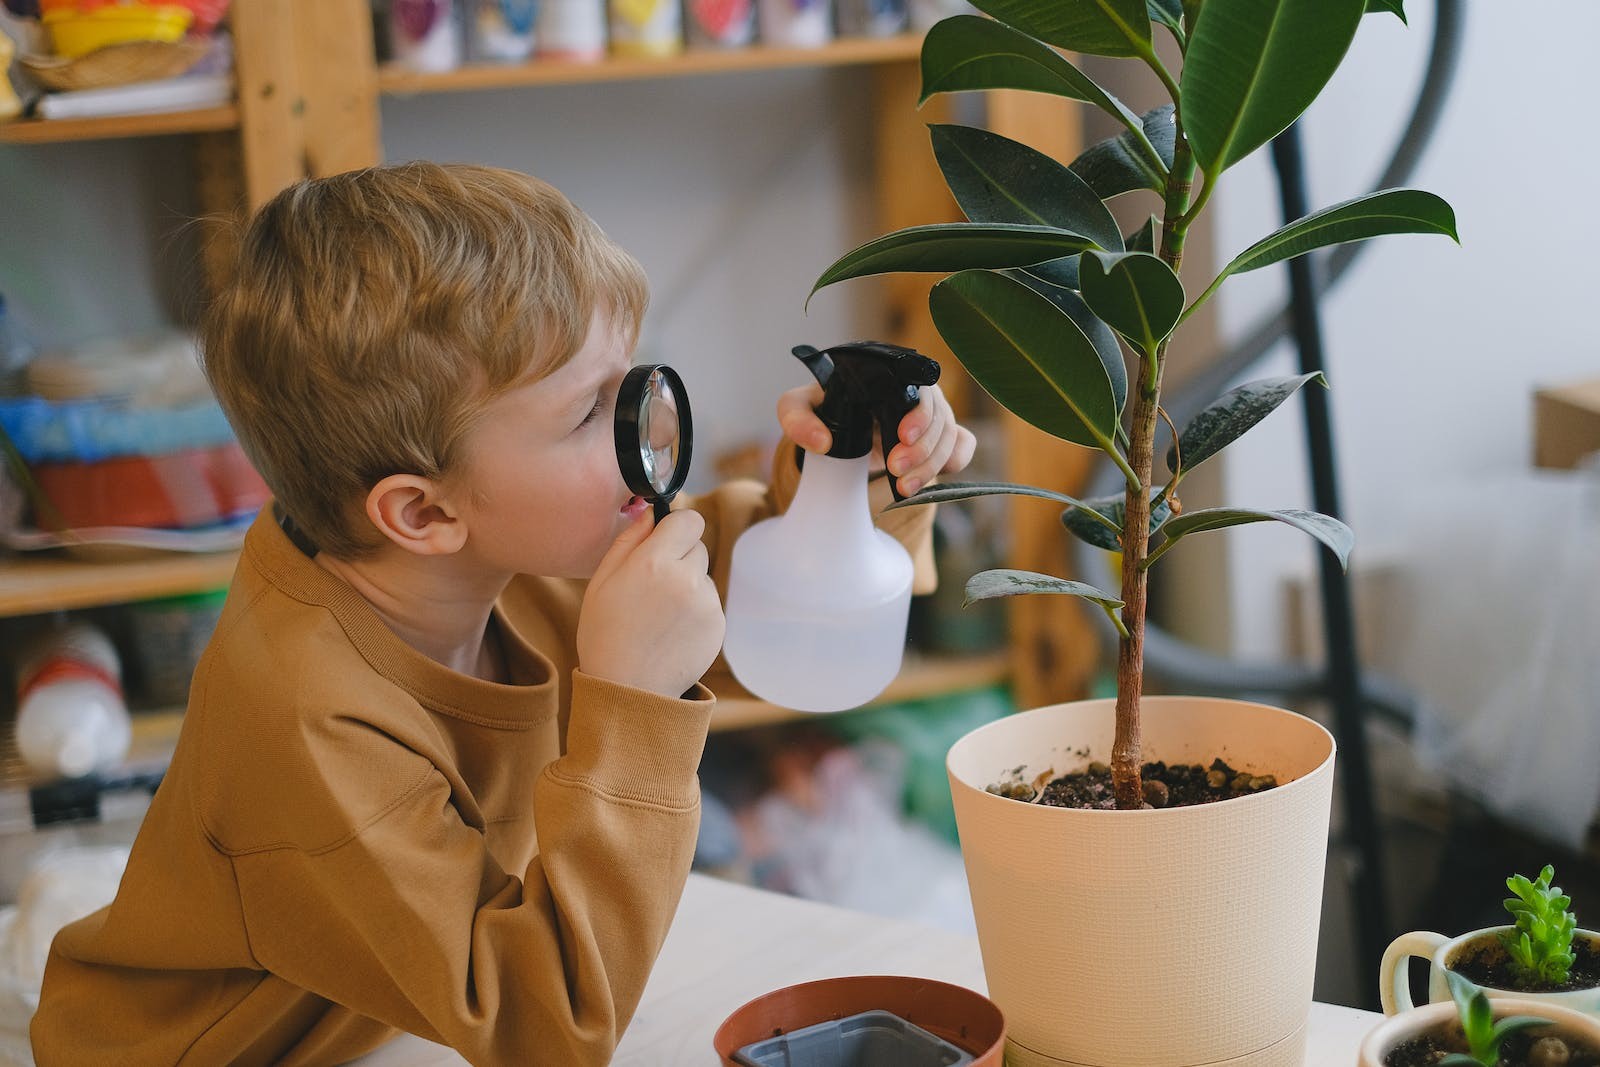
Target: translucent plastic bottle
x: 818, y: 597
x: 71, y: 717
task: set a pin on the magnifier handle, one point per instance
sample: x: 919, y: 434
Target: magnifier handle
x: 660, y: 508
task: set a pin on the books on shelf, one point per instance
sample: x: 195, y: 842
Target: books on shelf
x: 186, y: 93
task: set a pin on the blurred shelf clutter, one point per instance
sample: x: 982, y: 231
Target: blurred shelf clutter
x: 88, y: 59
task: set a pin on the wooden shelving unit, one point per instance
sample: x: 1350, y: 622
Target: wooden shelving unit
x: 399, y: 81
x: 33, y: 584
x: 308, y: 105
x: 110, y: 127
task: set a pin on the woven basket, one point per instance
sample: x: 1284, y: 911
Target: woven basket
x: 118, y: 64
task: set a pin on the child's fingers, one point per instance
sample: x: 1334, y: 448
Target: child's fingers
x: 799, y: 420
x: 961, y: 455
x: 623, y: 547
x: 908, y: 455
x: 939, y: 454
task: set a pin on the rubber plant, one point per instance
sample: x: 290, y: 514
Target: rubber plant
x: 1044, y: 290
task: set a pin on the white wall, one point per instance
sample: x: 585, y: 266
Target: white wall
x: 734, y: 191
x: 1432, y: 350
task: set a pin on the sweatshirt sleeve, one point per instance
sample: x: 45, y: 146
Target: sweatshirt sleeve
x: 410, y: 920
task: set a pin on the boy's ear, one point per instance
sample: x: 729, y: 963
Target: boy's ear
x: 415, y: 514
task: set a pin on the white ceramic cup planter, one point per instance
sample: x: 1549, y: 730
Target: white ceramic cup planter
x: 1392, y: 1031
x: 1168, y: 938
x: 1441, y: 952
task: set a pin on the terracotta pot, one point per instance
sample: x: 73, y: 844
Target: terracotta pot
x: 1418, y: 1021
x: 1441, y: 952
x: 957, y: 1014
x: 1166, y: 938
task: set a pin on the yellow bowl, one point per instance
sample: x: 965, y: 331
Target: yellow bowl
x: 75, y: 33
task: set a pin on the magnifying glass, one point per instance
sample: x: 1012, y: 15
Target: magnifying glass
x: 654, y: 434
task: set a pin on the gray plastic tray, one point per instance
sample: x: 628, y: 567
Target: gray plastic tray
x: 869, y: 1039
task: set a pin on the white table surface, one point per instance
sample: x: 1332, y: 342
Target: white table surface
x: 730, y: 944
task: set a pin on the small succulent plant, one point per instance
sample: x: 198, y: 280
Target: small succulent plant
x: 1484, y: 1033
x: 1540, y: 945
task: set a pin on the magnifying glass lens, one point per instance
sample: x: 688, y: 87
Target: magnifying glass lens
x: 659, y: 431
x: 654, y: 433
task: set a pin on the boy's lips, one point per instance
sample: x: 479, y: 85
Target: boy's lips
x: 636, y: 506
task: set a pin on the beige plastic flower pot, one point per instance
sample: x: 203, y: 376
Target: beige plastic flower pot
x: 1168, y: 938
x: 1418, y: 1021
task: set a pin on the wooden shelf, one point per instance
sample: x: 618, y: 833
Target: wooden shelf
x: 31, y: 584
x: 47, y: 131
x: 920, y: 677
x: 398, y: 81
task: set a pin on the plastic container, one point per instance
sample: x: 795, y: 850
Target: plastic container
x: 501, y: 31
x: 871, y: 18
x: 572, y: 30
x: 818, y: 597
x: 719, y: 23
x: 966, y: 1019
x: 796, y: 23
x: 71, y: 716
x: 648, y: 28
x: 77, y: 33
x: 168, y: 637
x: 183, y: 490
x: 424, y: 35
x: 867, y: 1039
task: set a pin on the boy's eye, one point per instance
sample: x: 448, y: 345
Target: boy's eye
x: 596, y: 411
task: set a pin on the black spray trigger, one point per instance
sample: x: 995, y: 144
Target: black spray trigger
x: 867, y: 382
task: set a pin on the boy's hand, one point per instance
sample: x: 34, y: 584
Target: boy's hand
x: 931, y: 441
x: 651, y: 617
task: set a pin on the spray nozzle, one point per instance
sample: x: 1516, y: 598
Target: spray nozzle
x: 865, y: 382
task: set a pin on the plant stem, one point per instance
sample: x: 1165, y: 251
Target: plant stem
x: 1127, y: 750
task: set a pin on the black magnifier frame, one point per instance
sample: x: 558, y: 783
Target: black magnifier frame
x: 628, y: 430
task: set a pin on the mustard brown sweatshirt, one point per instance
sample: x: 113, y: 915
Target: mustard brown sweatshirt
x: 353, y: 839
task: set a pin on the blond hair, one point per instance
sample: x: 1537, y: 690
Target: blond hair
x: 374, y: 314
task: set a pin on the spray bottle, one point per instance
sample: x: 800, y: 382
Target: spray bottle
x: 818, y: 597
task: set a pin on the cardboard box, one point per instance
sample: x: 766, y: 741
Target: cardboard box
x: 1566, y: 424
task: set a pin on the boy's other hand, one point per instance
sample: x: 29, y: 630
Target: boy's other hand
x: 931, y: 441
x: 651, y: 617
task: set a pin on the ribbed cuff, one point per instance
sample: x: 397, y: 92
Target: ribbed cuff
x: 634, y: 744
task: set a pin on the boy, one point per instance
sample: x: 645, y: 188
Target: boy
x: 438, y: 767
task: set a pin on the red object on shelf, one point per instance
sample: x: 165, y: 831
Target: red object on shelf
x: 196, y: 487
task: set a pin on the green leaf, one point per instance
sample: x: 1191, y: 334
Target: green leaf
x: 1144, y: 238
x: 1512, y: 1023
x: 1062, y: 273
x: 1099, y: 334
x: 996, y: 179
x: 1330, y: 531
x: 948, y: 492
x: 1397, y: 7
x: 1230, y: 415
x: 1135, y: 293
x: 1253, y: 66
x: 951, y: 246
x: 1114, y: 509
x: 965, y: 52
x: 988, y: 584
x: 1119, y: 165
x: 1095, y: 27
x: 1374, y: 215
x: 1027, y: 355
x: 1170, y: 14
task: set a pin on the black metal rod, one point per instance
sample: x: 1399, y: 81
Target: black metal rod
x: 1344, y: 671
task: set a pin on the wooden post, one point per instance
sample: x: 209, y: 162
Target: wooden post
x: 308, y: 107
x: 911, y: 192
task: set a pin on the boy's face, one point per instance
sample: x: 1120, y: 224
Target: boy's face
x: 543, y: 492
